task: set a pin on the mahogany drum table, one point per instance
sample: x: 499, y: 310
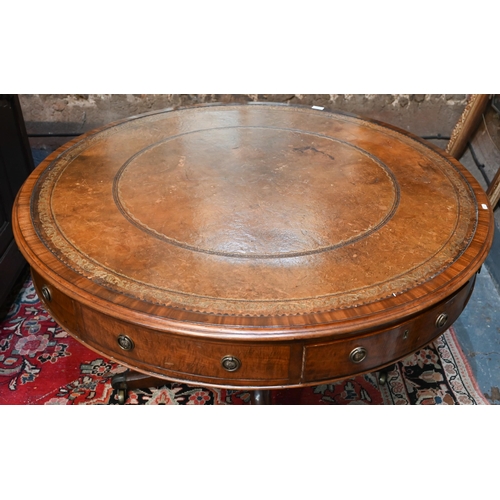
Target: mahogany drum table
x: 253, y: 246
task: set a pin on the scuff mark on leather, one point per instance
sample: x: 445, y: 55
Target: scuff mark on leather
x: 311, y: 148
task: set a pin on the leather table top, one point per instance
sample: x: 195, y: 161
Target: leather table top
x: 255, y: 216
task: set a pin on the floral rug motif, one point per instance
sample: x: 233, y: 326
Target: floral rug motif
x: 40, y: 364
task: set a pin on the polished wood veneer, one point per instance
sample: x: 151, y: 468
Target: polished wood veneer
x: 253, y: 246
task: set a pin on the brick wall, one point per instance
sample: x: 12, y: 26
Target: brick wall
x: 422, y: 114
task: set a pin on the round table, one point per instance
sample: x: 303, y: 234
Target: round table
x: 253, y: 246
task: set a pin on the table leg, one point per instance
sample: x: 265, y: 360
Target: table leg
x: 123, y: 382
x: 261, y: 397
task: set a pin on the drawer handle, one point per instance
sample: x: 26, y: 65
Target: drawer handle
x: 441, y: 320
x: 47, y: 296
x: 358, y: 354
x: 230, y: 363
x: 126, y: 343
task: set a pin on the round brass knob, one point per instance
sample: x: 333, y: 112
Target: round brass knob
x: 47, y: 296
x: 441, y: 320
x: 358, y: 354
x: 230, y: 363
x: 126, y: 343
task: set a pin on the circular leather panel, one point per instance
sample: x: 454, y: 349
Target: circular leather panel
x: 204, y: 199
x: 261, y: 210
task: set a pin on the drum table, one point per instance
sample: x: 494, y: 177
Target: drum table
x: 252, y: 246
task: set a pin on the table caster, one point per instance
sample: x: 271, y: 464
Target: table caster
x: 124, y: 381
x: 383, y: 374
x: 119, y: 383
x: 121, y: 396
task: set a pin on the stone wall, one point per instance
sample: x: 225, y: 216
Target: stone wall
x: 421, y: 114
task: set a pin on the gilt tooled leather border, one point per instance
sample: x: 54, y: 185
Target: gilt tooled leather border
x: 54, y: 239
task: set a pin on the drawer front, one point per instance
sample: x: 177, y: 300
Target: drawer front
x: 59, y: 305
x: 186, y: 358
x: 241, y: 363
x: 347, y: 357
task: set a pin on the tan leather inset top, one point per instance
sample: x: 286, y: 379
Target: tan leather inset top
x: 254, y: 210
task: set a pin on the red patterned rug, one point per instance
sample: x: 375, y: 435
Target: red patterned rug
x: 40, y: 364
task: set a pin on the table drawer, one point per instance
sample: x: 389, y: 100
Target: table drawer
x: 183, y: 357
x: 346, y: 357
x: 242, y: 363
x: 59, y: 305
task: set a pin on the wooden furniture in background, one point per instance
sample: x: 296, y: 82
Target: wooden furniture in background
x: 464, y: 132
x: 16, y: 163
x: 253, y: 246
